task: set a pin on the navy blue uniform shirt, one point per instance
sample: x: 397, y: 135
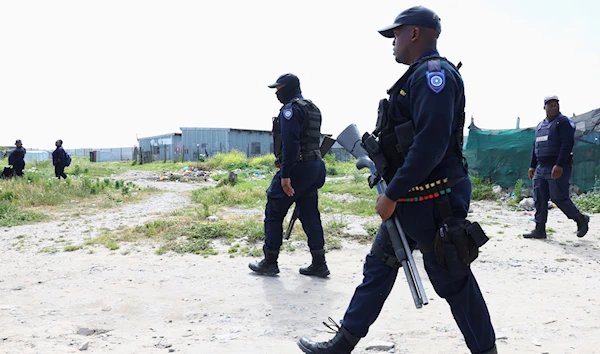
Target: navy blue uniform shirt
x: 291, y: 117
x: 562, y: 131
x: 58, y: 156
x: 434, y: 124
x: 17, y: 157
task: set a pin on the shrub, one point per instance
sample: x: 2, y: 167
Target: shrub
x: 232, y: 160
x: 482, y: 190
x: 588, y: 202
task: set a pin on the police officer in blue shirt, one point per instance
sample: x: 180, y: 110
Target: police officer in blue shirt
x: 17, y: 158
x: 429, y: 100
x: 296, y: 138
x: 550, y: 169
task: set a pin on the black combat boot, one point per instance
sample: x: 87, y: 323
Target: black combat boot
x: 343, y: 343
x: 318, y: 266
x: 268, y: 266
x: 582, y: 225
x: 539, y: 232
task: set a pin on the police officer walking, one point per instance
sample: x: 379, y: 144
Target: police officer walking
x: 59, y: 160
x: 550, y: 169
x: 428, y: 101
x: 17, y: 158
x: 296, y: 137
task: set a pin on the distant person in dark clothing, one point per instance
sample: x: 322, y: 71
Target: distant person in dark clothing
x: 59, y: 159
x: 17, y: 158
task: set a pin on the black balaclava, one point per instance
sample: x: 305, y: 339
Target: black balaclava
x: 289, y: 91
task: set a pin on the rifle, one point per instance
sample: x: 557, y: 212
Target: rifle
x: 325, y: 147
x: 350, y: 140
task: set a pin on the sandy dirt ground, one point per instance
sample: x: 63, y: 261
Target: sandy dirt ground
x: 543, y: 295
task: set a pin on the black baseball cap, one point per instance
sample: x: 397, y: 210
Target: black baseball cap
x: 416, y: 16
x: 286, y: 79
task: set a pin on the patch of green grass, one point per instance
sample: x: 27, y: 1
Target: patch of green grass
x: 362, y: 207
x: 71, y: 248
x: 184, y: 235
x: 38, y: 189
x: 253, y: 252
x: 334, y: 228
x: 12, y: 215
x: 288, y: 247
x: 339, y: 168
x: 359, y: 189
x: 517, y: 196
x: 588, y: 202
x: 334, y: 233
x: 333, y: 243
x: 550, y: 230
x: 112, y: 245
x: 234, y: 249
x: 245, y: 194
x: 372, y: 230
x: 481, y: 190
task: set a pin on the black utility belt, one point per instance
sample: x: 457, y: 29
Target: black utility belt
x: 428, y: 191
x: 552, y: 162
x: 309, y: 156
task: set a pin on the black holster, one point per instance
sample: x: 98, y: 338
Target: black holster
x: 457, y: 244
x: 389, y: 149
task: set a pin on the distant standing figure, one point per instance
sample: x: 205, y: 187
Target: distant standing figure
x: 59, y: 159
x: 550, y: 169
x: 17, y: 158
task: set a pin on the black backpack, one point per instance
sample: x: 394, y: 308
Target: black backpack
x: 67, y: 159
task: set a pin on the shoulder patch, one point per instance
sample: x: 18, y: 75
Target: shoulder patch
x: 288, y: 113
x: 436, y: 80
x: 572, y: 123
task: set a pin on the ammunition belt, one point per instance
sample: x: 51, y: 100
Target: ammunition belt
x: 428, y: 191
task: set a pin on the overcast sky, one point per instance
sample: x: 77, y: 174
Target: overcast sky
x: 101, y: 73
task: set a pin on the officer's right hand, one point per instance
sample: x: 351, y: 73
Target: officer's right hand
x: 286, y: 185
x: 531, y: 172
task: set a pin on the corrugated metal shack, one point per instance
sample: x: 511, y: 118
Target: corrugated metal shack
x: 202, y: 142
x: 161, y: 147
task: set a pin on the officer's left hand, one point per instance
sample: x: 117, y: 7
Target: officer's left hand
x: 385, y: 207
x: 556, y: 172
x: 286, y: 184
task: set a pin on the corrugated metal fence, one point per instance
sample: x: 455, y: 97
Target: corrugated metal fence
x: 106, y: 154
